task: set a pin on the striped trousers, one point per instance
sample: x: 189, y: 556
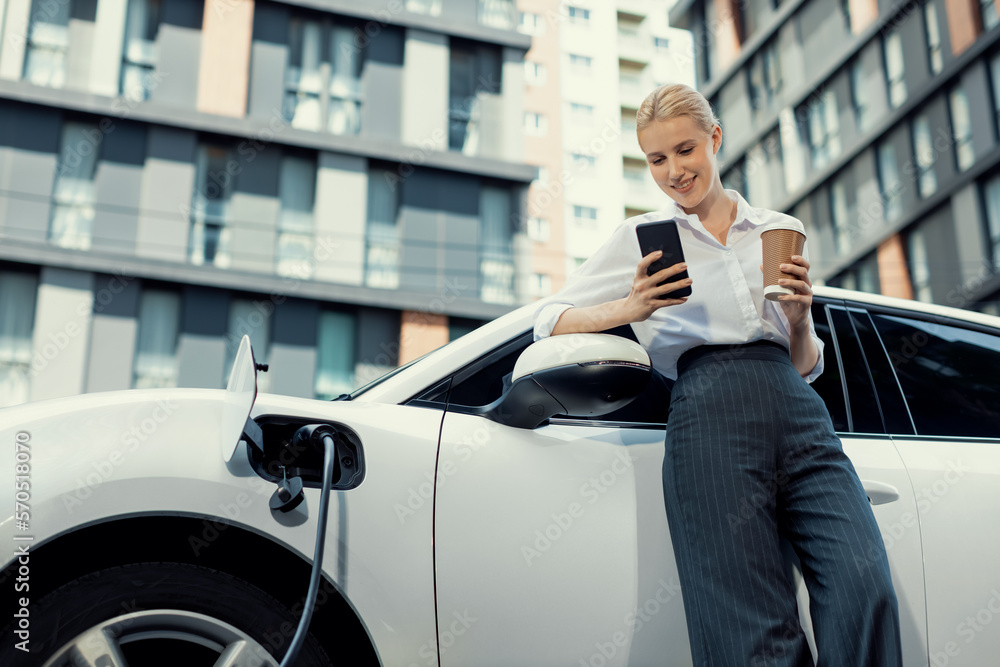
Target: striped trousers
x: 751, y: 456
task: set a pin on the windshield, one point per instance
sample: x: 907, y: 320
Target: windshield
x: 382, y: 378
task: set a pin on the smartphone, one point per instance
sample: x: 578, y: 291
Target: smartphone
x: 662, y: 235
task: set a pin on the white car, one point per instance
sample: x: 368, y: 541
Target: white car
x: 472, y: 522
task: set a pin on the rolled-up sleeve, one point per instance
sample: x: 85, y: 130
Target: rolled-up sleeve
x: 606, y: 276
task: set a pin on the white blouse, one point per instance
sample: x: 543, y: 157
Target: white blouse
x: 726, y: 306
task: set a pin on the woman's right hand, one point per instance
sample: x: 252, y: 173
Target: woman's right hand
x: 643, y: 300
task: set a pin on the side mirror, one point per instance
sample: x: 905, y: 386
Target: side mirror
x: 572, y: 374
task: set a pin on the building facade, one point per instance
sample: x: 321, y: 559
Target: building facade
x: 342, y: 180
x: 590, y: 66
x: 876, y: 123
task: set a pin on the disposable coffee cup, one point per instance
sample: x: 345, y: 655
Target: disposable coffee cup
x: 780, y: 241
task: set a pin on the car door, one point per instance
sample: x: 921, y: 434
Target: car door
x: 949, y: 374
x: 552, y: 547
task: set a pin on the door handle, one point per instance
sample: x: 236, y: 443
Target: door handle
x: 879, y: 493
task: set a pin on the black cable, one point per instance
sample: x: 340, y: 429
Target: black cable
x: 317, y: 567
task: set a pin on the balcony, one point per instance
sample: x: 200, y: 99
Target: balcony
x: 634, y: 48
x: 633, y: 10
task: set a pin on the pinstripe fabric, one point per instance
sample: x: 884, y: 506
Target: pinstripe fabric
x: 751, y: 455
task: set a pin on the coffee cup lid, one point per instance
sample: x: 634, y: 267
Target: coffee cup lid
x: 792, y: 224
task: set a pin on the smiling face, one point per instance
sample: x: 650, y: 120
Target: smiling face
x: 681, y: 158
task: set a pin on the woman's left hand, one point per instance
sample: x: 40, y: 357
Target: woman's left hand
x: 797, y: 305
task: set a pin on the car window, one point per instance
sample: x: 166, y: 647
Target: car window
x: 949, y: 375
x: 891, y: 406
x: 863, y: 414
x: 830, y: 384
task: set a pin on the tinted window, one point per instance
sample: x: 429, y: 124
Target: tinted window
x: 863, y: 412
x: 949, y: 375
x: 830, y: 383
x: 895, y: 417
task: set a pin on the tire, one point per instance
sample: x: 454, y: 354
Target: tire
x: 160, y: 614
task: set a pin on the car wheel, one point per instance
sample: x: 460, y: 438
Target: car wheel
x: 162, y: 614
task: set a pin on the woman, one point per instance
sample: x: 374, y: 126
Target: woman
x: 751, y: 455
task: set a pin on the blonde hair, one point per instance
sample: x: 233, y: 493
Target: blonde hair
x: 672, y: 100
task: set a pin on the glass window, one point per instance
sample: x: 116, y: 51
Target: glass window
x: 73, y: 193
x: 297, y: 187
x: 923, y: 151
x: 431, y: 7
x: 661, y: 44
x: 578, y: 14
x: 995, y: 89
x: 920, y: 273
x: 139, y: 52
x: 890, y: 185
x: 249, y: 318
x: 156, y: 345
x: 581, y: 64
x: 214, y: 185
x: 539, y: 229
x: 933, y: 33
x: 534, y: 73
x: 830, y: 385
x: 535, y: 124
x: 496, y: 251
x: 47, y: 44
x: 584, y: 214
x: 382, y: 251
x: 541, y: 285
x: 473, y: 72
x: 498, y: 14
x: 323, y: 77
x: 961, y: 126
x: 988, y: 12
x: 949, y: 375
x: 892, y: 46
x: 581, y: 110
x: 840, y: 217
x: 991, y: 197
x: 531, y: 24
x: 824, y: 129
x: 582, y: 160
x: 18, y: 293
x: 337, y: 343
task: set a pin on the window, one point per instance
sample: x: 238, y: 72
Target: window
x: 214, y: 185
x: 336, y: 353
x: 47, y: 44
x: 862, y: 277
x: 661, y: 44
x: 539, y: 230
x: 950, y: 376
x: 581, y: 110
x: 541, y: 285
x: 496, y: 252
x: 473, y: 72
x: 863, y: 116
x: 501, y: 14
x: 824, y: 129
x: 916, y: 258
x: 843, y: 230
x: 845, y: 13
x: 890, y: 185
x: 535, y: 124
x: 988, y: 12
x: 74, y: 193
x: 894, y: 67
x: 578, y: 14
x: 297, y: 187
x: 580, y: 64
x: 582, y: 161
x: 323, y: 77
x: 249, y: 318
x: 933, y: 33
x: 923, y: 151
x: 585, y: 215
x: 991, y: 197
x: 430, y: 7
x: 18, y: 293
x: 382, y: 231
x: 534, y: 73
x: 995, y: 89
x: 961, y: 127
x: 764, y: 80
x: 531, y: 24
x: 139, y: 53
x: 156, y: 345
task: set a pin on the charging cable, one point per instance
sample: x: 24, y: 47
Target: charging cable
x: 329, y: 458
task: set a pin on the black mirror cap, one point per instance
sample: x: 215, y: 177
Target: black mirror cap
x: 594, y: 388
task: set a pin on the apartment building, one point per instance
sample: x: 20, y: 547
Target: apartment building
x: 342, y: 180
x: 876, y: 123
